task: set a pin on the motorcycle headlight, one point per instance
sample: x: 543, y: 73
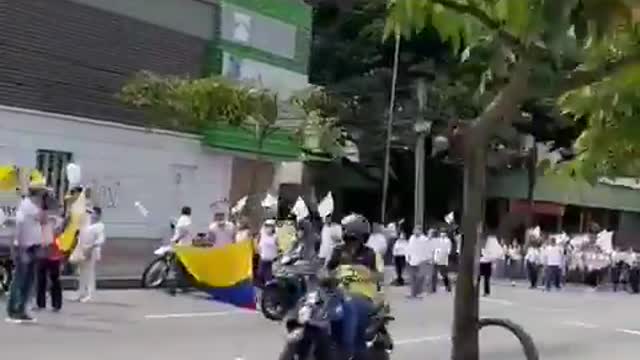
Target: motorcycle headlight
x: 304, y: 314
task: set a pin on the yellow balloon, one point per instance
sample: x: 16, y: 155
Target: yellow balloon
x: 8, y: 178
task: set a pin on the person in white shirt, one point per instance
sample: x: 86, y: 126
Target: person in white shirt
x: 617, y: 267
x: 513, y: 263
x: 400, y: 258
x: 221, y: 231
x: 553, y: 260
x: 442, y: 249
x: 533, y: 260
x: 91, y: 238
x: 268, y: 250
x: 417, y: 256
x: 633, y: 263
x: 330, y: 235
x: 486, y: 270
x: 377, y: 241
x: 183, y: 233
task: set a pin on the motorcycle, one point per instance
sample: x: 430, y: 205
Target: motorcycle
x: 289, y: 284
x: 309, y: 328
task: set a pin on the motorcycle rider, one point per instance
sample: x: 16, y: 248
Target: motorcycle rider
x: 183, y: 235
x: 358, y: 301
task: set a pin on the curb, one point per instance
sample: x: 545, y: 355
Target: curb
x: 114, y: 283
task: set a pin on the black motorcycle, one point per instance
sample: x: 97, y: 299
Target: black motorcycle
x: 289, y: 284
x: 309, y: 329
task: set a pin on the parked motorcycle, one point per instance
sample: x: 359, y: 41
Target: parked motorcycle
x: 309, y: 328
x: 289, y: 284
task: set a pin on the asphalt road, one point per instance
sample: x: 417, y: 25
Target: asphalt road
x: 133, y: 324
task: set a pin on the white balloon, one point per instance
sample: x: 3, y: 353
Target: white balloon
x: 74, y: 174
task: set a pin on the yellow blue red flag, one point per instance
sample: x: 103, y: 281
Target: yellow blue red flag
x: 226, y: 273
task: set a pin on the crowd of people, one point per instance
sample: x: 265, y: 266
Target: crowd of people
x: 38, y: 257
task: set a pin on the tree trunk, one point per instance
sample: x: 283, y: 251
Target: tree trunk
x: 532, y: 174
x: 465, y: 333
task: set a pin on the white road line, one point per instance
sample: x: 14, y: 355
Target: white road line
x: 421, y: 340
x: 498, y: 301
x: 197, y: 315
x: 630, y: 332
x: 581, y: 324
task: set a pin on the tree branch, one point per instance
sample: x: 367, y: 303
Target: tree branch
x: 580, y: 78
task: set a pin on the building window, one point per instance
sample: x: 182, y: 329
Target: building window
x: 241, y: 27
x: 52, y: 165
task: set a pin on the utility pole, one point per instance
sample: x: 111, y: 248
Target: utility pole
x: 422, y: 128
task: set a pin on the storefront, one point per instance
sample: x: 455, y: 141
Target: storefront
x: 122, y: 165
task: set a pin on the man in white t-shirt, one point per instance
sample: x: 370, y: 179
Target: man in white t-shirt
x: 268, y: 250
x: 183, y: 233
x: 442, y: 249
x: 221, y: 231
x: 377, y: 241
x: 554, y: 260
x: 330, y: 235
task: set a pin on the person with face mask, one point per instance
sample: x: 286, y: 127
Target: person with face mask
x: 268, y: 250
x: 28, y: 242
x: 353, y: 259
x: 91, y: 238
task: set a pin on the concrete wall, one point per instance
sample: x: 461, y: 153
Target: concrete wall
x: 124, y: 165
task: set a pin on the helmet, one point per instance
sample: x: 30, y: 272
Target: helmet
x: 355, y: 227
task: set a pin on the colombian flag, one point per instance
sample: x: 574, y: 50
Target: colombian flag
x: 226, y: 273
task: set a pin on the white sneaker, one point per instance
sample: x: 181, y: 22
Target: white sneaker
x: 85, y: 299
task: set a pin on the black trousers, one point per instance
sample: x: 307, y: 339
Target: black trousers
x: 616, y: 273
x: 48, y: 276
x: 486, y: 269
x: 533, y: 270
x: 634, y: 279
x: 400, y: 263
x: 443, y: 270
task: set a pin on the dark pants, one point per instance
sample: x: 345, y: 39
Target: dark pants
x: 634, y: 279
x: 486, y: 269
x: 532, y: 270
x: 400, y: 263
x: 553, y: 274
x: 23, y: 279
x: 49, y: 276
x: 355, y: 320
x: 616, y: 274
x: 180, y: 279
x: 265, y: 271
x: 443, y: 270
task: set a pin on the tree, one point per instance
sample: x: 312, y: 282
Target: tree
x: 574, y: 51
x: 197, y: 105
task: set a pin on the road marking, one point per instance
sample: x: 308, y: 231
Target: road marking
x: 630, y: 332
x: 197, y: 315
x: 498, y: 301
x: 421, y: 340
x: 580, y: 324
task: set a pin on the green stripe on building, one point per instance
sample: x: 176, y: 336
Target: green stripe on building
x: 294, y: 12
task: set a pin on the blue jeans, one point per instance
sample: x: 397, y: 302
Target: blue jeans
x: 24, y: 276
x: 355, y: 320
x: 553, y: 274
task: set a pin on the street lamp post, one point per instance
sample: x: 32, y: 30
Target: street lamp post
x: 422, y: 128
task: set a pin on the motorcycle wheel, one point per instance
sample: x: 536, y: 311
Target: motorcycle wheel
x: 273, y: 303
x: 156, y: 273
x: 5, y: 279
x: 378, y: 352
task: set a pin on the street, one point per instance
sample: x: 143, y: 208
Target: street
x: 133, y: 324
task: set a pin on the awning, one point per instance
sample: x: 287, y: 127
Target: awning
x: 279, y: 146
x: 541, y: 208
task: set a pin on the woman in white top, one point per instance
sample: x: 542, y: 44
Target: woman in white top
x: 400, y: 258
x: 268, y: 251
x: 90, y: 239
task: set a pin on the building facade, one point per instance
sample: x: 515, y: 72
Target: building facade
x: 64, y: 61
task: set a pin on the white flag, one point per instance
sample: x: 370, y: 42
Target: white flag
x: 143, y: 211
x: 605, y: 241
x: 300, y: 209
x: 269, y: 201
x: 239, y: 205
x: 3, y: 218
x: 74, y: 175
x: 493, y: 249
x: 325, y: 208
x: 450, y: 218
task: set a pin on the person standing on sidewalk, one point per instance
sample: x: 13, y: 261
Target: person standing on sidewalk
x: 554, y: 260
x: 533, y: 259
x: 417, y: 261
x: 28, y: 242
x: 90, y: 240
x: 400, y: 258
x: 268, y: 251
x: 441, y: 261
x: 48, y: 275
x: 486, y: 270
